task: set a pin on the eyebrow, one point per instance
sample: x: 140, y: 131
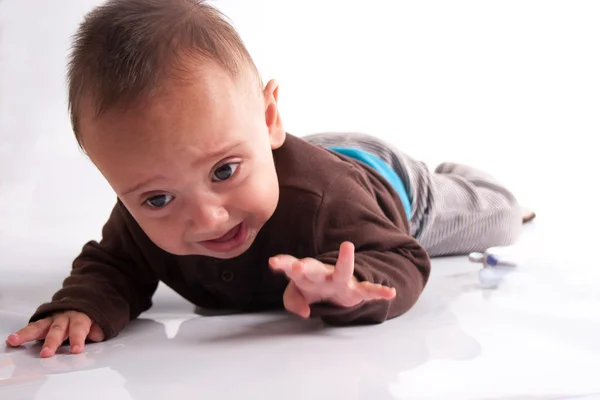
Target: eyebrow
x: 141, y: 185
x: 218, y: 153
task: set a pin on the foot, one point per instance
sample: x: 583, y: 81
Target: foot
x: 528, y: 215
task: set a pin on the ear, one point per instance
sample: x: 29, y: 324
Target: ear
x: 272, y: 117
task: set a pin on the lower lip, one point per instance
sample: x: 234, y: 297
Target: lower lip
x: 229, y: 245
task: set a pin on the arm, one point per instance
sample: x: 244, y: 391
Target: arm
x: 399, y: 269
x: 110, y: 280
x: 354, y: 287
x: 363, y: 210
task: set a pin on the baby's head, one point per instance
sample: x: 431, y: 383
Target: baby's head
x: 167, y: 103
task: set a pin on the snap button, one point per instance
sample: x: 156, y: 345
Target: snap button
x: 227, y: 276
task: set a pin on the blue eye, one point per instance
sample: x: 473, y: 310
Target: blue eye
x: 225, y: 172
x: 159, y: 201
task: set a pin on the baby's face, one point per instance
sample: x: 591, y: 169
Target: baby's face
x: 194, y: 166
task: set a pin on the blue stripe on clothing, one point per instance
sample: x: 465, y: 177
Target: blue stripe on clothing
x: 382, y: 168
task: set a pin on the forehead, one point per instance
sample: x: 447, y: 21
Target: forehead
x: 207, y: 104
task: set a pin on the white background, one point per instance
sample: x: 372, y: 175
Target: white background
x: 511, y: 86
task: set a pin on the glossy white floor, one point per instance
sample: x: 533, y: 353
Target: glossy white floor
x: 510, y: 86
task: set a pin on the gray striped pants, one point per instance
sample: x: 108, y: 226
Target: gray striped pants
x: 456, y: 209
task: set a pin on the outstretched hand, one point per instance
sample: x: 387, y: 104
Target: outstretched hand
x: 312, y: 281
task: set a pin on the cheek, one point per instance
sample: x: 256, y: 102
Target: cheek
x: 260, y: 193
x: 164, y: 233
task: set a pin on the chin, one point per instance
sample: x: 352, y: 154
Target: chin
x: 229, y: 255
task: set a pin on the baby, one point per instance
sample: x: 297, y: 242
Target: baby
x: 217, y: 201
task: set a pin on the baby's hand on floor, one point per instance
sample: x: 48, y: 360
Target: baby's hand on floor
x: 315, y: 282
x: 74, y: 325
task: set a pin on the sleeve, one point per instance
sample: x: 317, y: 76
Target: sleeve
x: 110, y: 280
x: 364, y: 211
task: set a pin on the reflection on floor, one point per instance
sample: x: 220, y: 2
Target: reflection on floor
x: 534, y: 337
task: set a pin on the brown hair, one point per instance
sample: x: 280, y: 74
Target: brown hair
x: 124, y: 49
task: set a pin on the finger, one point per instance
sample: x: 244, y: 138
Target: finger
x: 56, y: 336
x: 282, y: 263
x: 313, y: 270
x: 79, y: 327
x: 34, y: 331
x: 96, y: 334
x: 290, y: 265
x: 374, y: 291
x: 294, y: 301
x: 344, y: 267
x: 359, y: 296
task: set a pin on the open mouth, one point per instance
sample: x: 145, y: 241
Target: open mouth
x: 229, y: 235
x: 232, y: 239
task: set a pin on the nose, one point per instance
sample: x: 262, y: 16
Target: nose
x: 206, y: 217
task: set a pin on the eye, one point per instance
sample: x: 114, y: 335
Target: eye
x: 225, y: 172
x: 159, y: 201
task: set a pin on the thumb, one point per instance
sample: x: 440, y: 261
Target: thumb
x: 294, y: 301
x: 96, y: 334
